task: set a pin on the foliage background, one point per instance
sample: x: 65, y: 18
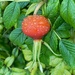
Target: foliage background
x: 16, y: 48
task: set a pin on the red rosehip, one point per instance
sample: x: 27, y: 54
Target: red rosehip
x: 35, y: 26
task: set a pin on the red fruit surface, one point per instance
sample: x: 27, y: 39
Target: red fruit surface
x: 35, y: 26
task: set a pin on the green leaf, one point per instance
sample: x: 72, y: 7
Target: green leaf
x: 20, y: 62
x: 3, y: 4
x: 58, y: 22
x: 4, y: 51
x: 17, y: 37
x: 58, y: 70
x: 74, y: 72
x: 23, y: 4
x: 16, y: 0
x: 47, y: 37
x: 20, y: 19
x: 1, y: 63
x: 11, y: 14
x: 63, y: 30
x: 3, y: 54
x: 34, y: 1
x: 63, y: 33
x: 54, y: 61
x: 5, y: 71
x: 53, y: 41
x: 60, y: 1
x: 27, y: 54
x: 8, y: 73
x: 15, y: 52
x: 18, y: 70
x: 51, y: 8
x: 9, y: 61
x: 64, y: 26
x: 21, y: 0
x: 15, y: 73
x: 67, y: 11
x: 33, y: 71
x: 38, y: 72
x: 1, y: 19
x: 31, y: 8
x: 45, y: 55
x: 29, y: 42
x: 6, y: 0
x: 66, y: 72
x: 67, y: 50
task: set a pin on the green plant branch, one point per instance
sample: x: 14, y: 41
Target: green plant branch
x: 35, y: 47
x: 38, y: 56
x: 50, y: 49
x: 38, y: 7
x: 35, y: 51
x: 39, y: 49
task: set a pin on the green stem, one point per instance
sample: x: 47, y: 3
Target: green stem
x: 39, y: 49
x: 57, y: 35
x: 38, y: 7
x: 36, y: 53
x: 35, y: 47
x: 50, y: 49
x: 38, y: 56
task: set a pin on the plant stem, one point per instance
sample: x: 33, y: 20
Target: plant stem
x: 39, y: 49
x: 35, y: 47
x: 36, y: 53
x: 50, y: 49
x: 57, y: 35
x: 38, y: 7
x: 38, y: 56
